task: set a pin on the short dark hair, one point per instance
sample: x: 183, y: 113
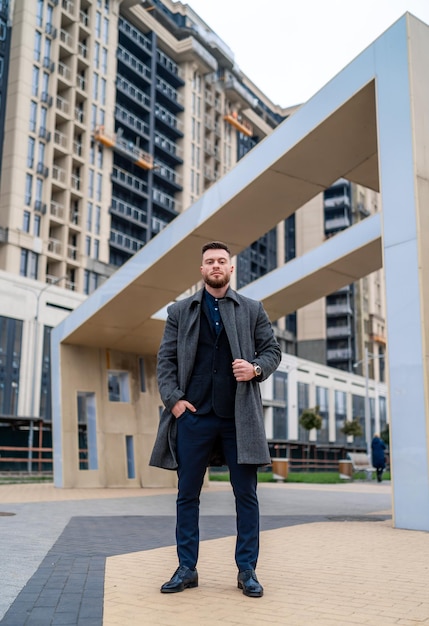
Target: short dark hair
x: 215, y: 245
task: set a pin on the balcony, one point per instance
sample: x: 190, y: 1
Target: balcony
x: 339, y: 309
x: 133, y: 63
x: 168, y: 174
x: 82, y: 50
x: 55, y: 246
x: 56, y: 211
x: 45, y: 134
x: 165, y: 200
x: 60, y: 140
x: 40, y: 207
x: 338, y: 331
x: 66, y: 39
x: 42, y: 170
x: 59, y: 174
x: 126, y: 87
x: 337, y: 223
x: 132, y: 121
x: 209, y: 147
x: 338, y: 201
x: 132, y: 183
x: 209, y: 173
x: 84, y: 19
x: 64, y: 71
x: 48, y: 64
x: 131, y: 213
x: 75, y: 182
x: 169, y: 92
x: 168, y: 146
x: 81, y: 83
x: 340, y: 354
x: 72, y: 252
x: 68, y: 6
x: 62, y: 106
x: 125, y: 242
x: 234, y: 88
x: 46, y: 98
x: 135, y: 35
x: 169, y: 119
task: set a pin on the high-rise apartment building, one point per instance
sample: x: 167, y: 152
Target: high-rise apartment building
x: 115, y: 116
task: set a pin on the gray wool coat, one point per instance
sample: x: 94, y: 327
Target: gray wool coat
x: 250, y: 337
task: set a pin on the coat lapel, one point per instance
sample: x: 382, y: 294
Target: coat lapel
x: 227, y: 312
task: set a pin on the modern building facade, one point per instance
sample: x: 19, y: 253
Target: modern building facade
x: 115, y: 117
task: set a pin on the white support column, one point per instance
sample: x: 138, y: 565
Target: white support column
x: 402, y: 68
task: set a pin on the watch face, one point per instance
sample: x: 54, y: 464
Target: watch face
x: 258, y: 370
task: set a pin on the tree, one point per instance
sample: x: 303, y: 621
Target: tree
x: 385, y: 434
x: 352, y: 427
x: 310, y: 419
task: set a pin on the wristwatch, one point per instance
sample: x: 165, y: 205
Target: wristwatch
x: 257, y: 369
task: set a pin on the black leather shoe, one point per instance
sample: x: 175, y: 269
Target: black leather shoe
x: 250, y: 585
x: 183, y: 578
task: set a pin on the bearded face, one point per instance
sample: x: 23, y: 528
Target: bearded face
x: 216, y: 268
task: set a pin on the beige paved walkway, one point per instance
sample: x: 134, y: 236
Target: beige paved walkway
x: 326, y: 574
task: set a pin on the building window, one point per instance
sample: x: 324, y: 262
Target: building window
x: 88, y: 246
x: 39, y: 13
x: 103, y: 91
x: 129, y: 446
x: 280, y: 413
x: 29, y: 264
x: 96, y: 54
x: 36, y: 226
x: 91, y: 183
x: 28, y: 189
x: 97, y: 220
x: 90, y: 282
x: 99, y: 187
x: 118, y: 386
x: 43, y: 117
x: 104, y: 61
x: 99, y: 157
x: 37, y: 45
x: 30, y: 152
x: 358, y: 414
x: 87, y: 430
x: 3, y: 30
x: 35, y: 82
x: 95, y: 87
x: 45, y: 410
x: 340, y: 415
x: 98, y: 25
x: 26, y: 222
x: 303, y: 400
x: 93, y: 115
x: 39, y: 189
x: 322, y: 401
x: 105, y: 31
x: 96, y: 249
x: 89, y: 216
x: 10, y: 355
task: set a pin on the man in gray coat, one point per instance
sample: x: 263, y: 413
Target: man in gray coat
x: 217, y: 346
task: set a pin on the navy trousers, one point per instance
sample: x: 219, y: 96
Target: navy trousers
x: 195, y: 438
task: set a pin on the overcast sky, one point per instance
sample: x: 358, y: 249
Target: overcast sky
x: 292, y: 49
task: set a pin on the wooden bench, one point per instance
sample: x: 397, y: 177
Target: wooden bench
x: 361, y: 463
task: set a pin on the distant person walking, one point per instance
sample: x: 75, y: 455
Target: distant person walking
x: 378, y: 458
